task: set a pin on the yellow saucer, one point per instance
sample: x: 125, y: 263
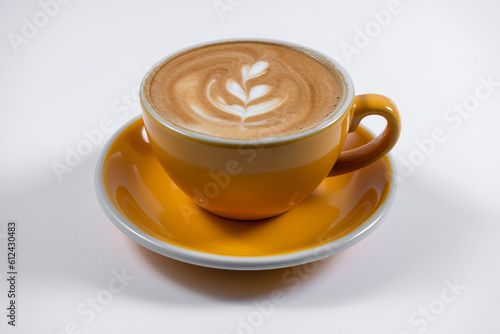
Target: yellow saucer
x: 141, y: 200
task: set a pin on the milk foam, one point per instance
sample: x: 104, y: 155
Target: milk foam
x: 245, y: 90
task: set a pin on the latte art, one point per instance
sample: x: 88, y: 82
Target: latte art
x: 246, y: 95
x: 245, y: 90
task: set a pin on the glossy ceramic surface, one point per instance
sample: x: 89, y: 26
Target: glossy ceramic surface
x: 252, y: 179
x: 141, y: 200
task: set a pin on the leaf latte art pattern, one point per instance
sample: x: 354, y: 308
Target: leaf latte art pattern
x: 246, y: 94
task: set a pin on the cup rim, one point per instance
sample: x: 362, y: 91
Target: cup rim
x: 345, y: 103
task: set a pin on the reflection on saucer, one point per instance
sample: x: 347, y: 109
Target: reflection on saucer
x: 142, y: 201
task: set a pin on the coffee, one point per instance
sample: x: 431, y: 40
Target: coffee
x: 245, y: 90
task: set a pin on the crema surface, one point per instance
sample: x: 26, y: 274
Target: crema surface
x: 245, y: 90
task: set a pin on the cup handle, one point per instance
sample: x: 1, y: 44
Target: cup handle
x: 365, y: 105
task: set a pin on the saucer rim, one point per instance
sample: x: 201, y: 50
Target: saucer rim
x: 237, y: 262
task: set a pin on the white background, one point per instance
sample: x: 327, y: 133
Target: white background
x: 85, y: 60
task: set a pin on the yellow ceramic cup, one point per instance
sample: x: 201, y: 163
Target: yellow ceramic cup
x: 256, y: 179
